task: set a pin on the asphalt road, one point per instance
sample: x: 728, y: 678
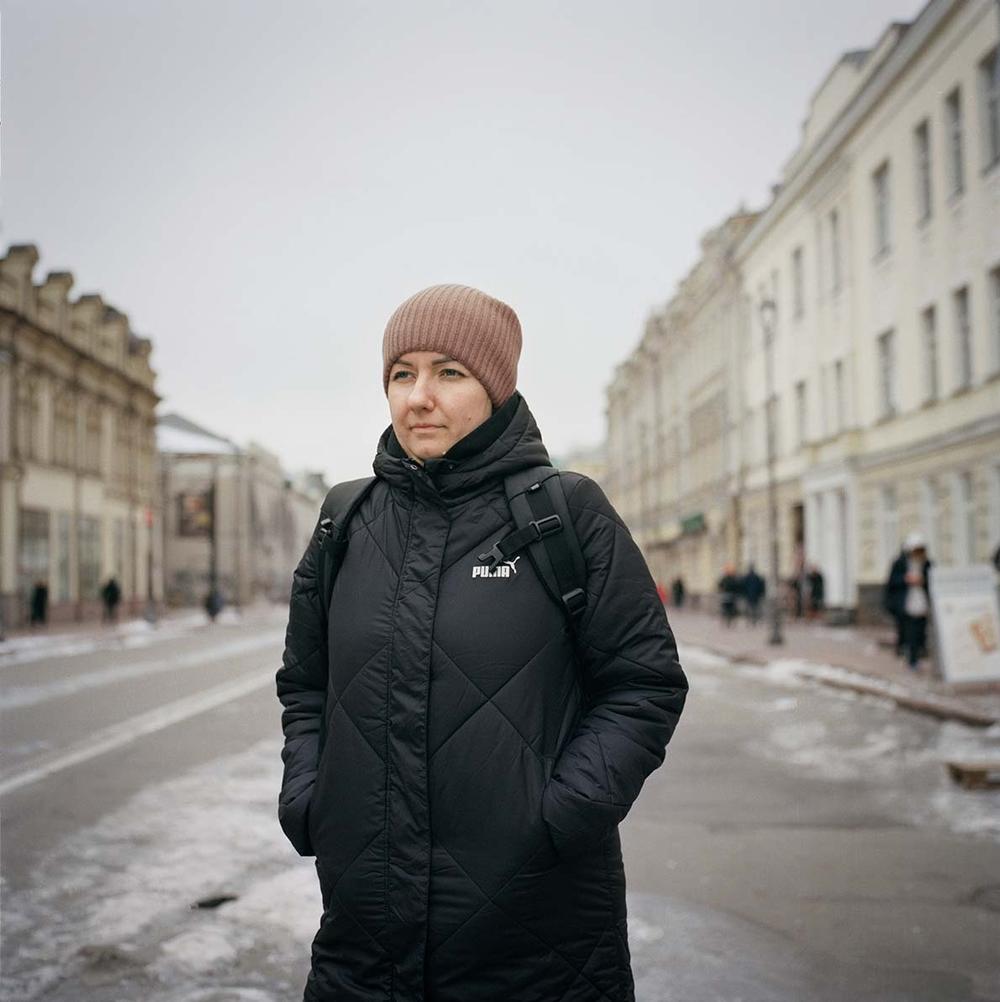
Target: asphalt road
x: 799, y: 843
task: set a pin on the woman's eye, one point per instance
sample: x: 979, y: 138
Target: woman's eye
x: 400, y: 372
x: 452, y: 372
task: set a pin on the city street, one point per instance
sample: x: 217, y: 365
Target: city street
x: 800, y: 843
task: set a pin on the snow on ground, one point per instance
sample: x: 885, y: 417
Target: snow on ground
x: 841, y: 736
x: 123, y: 636
x: 120, y: 894
x: 130, y: 635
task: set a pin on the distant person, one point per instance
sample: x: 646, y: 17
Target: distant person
x: 907, y: 597
x: 39, y: 603
x: 754, y: 590
x: 729, y: 593
x: 111, y: 595
x: 894, y: 597
x: 678, y: 591
x: 797, y: 586
x: 817, y: 590
x: 214, y: 603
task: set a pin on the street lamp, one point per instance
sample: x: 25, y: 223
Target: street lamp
x: 768, y: 311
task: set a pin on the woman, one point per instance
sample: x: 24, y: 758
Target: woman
x: 480, y: 748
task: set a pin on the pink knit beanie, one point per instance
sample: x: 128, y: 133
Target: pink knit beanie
x: 475, y: 329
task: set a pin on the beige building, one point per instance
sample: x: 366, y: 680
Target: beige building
x: 78, y: 499
x: 881, y: 254
x: 262, y: 519
x: 674, y: 468
x: 590, y: 462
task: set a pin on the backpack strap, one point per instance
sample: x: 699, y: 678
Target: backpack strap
x: 339, y: 506
x: 342, y: 501
x: 544, y: 527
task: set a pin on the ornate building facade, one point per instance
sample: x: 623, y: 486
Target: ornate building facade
x: 78, y: 498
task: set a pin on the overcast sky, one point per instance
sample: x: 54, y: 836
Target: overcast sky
x: 258, y: 185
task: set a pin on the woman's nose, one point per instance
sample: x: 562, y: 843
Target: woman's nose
x: 421, y: 395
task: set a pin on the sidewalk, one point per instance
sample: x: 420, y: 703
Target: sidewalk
x: 860, y: 659
x: 64, y: 639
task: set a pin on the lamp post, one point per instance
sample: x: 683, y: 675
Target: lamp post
x: 768, y: 312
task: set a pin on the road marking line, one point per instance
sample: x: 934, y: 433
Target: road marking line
x: 136, y: 727
x: 20, y: 696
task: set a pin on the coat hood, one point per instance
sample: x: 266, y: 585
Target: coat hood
x: 508, y: 441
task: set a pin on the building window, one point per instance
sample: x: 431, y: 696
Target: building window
x: 881, y: 195
x: 33, y: 555
x: 63, y: 593
x: 64, y: 430
x: 887, y: 372
x: 964, y: 510
x: 995, y: 316
x: 889, y: 529
x: 963, y: 338
x: 956, y: 161
x: 929, y: 334
x: 118, y: 550
x: 798, y: 284
x: 29, y: 418
x: 89, y: 542
x: 801, y: 416
x: 836, y: 275
x: 771, y: 427
x: 929, y: 514
x: 922, y: 149
x: 92, y: 439
x: 989, y: 90
x: 839, y: 410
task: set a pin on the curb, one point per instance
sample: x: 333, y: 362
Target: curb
x: 940, y: 707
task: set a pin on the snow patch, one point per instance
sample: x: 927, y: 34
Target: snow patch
x: 129, y: 881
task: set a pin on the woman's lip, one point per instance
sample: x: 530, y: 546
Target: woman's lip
x: 418, y: 427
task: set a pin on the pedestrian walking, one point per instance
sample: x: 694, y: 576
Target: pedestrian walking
x: 39, y: 603
x: 817, y: 591
x: 894, y: 597
x: 754, y: 589
x: 917, y: 604
x: 729, y: 593
x: 111, y: 594
x: 214, y: 603
x: 459, y: 755
x: 678, y: 591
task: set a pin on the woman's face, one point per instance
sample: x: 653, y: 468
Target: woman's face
x: 434, y: 401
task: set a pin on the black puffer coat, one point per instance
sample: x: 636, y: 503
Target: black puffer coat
x: 479, y: 754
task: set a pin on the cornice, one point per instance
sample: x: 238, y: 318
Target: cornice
x: 857, y: 109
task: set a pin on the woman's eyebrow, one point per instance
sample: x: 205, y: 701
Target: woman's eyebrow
x: 437, y: 361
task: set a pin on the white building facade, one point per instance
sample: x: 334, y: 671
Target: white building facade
x: 882, y: 253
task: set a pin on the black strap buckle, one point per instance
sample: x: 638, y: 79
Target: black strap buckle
x: 546, y: 526
x: 575, y: 601
x: 494, y: 555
